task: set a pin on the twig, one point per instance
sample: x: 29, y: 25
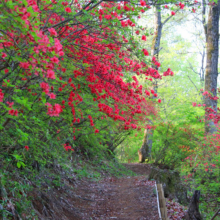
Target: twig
x: 193, y: 83
x: 215, y: 214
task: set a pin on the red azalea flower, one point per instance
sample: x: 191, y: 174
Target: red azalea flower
x: 68, y: 10
x: 144, y: 38
x: 145, y: 52
x: 4, y: 55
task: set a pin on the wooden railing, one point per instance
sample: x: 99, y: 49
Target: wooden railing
x: 162, y: 202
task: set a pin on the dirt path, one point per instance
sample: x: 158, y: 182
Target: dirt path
x: 128, y: 198
x: 139, y: 168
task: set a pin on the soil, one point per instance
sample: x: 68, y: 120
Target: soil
x: 127, y: 198
x: 139, y: 168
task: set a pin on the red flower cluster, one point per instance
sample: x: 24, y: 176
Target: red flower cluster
x: 155, y: 62
x: 181, y: 5
x: 67, y: 147
x: 68, y: 10
x: 168, y: 72
x: 13, y: 112
x: 1, y: 95
x: 145, y: 52
x: 54, y: 110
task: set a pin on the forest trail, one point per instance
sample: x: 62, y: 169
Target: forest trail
x: 127, y: 198
x: 138, y: 168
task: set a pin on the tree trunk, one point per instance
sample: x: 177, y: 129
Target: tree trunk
x: 157, y: 33
x: 204, y: 18
x: 212, y: 64
x: 193, y: 210
x: 145, y: 150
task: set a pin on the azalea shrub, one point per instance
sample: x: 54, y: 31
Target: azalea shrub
x: 66, y: 72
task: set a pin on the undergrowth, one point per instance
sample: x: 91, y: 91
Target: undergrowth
x: 18, y: 184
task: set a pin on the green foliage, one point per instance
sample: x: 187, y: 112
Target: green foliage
x: 127, y: 151
x: 19, y: 160
x: 173, y: 143
x: 201, y: 171
x: 14, y: 190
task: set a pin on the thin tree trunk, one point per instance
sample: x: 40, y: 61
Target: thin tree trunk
x: 145, y: 151
x: 202, y: 70
x: 157, y: 33
x: 204, y: 18
x: 211, y: 74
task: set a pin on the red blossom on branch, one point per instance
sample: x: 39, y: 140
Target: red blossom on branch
x: 144, y: 38
x: 68, y: 10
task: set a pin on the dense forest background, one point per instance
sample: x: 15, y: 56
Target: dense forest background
x: 84, y: 83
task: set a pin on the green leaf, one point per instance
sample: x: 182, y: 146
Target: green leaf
x: 18, y: 164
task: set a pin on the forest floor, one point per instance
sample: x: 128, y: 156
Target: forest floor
x: 126, y: 198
